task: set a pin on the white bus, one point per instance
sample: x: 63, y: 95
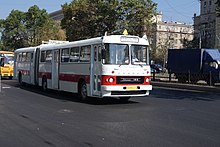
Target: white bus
x: 108, y: 66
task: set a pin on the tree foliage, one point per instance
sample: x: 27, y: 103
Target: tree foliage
x: 218, y: 8
x: 135, y: 15
x: 13, y: 30
x: 91, y: 18
x: 22, y: 29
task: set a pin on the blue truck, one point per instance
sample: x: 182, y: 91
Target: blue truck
x: 192, y: 65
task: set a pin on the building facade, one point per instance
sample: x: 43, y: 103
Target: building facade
x: 205, y: 24
x: 170, y: 34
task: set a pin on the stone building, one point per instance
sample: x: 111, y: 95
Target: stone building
x: 170, y: 34
x: 167, y: 35
x: 205, y: 24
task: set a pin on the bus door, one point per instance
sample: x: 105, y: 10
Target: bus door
x: 36, y: 59
x: 31, y: 67
x: 96, y: 71
x: 55, y: 69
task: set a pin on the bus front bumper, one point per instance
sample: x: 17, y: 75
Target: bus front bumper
x: 126, y: 91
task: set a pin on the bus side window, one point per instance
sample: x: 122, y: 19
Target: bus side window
x: 95, y: 53
x: 28, y: 57
x: 74, y: 54
x: 48, y: 56
x: 43, y: 56
x: 24, y: 57
x: 32, y: 56
x: 65, y: 55
x: 19, y: 58
x: 100, y: 53
x: 85, y: 54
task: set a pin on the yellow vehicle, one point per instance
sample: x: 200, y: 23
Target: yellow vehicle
x: 7, y: 64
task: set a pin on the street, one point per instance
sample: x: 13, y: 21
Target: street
x: 168, y: 117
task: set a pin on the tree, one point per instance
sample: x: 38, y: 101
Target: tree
x: 22, y: 29
x: 13, y: 34
x: 136, y: 15
x: 191, y: 44
x: 218, y: 7
x: 89, y: 18
x: 40, y: 27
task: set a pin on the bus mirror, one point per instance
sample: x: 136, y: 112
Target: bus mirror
x: 2, y: 62
x: 103, y: 53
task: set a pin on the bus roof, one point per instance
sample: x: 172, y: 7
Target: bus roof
x: 125, y: 39
x: 25, y: 49
x: 117, y: 39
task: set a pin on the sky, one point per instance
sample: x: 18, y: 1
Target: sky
x: 173, y: 10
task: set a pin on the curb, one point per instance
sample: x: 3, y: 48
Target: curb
x: 187, y: 86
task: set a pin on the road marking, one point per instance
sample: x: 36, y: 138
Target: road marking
x: 6, y: 87
x: 65, y: 111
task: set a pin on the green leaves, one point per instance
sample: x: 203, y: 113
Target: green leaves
x: 22, y: 29
x: 82, y: 19
x: 136, y: 15
x: 90, y: 18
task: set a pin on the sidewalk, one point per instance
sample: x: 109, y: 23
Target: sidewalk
x: 187, y: 86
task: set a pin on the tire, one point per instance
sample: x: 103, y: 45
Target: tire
x: 10, y: 77
x: 44, y: 83
x: 20, y: 79
x: 83, y: 91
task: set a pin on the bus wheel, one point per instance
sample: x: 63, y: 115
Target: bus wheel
x: 20, y: 79
x: 83, y: 91
x: 124, y: 99
x: 44, y: 84
x: 10, y: 77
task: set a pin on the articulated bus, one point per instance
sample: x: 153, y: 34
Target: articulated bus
x: 108, y: 66
x: 7, y: 63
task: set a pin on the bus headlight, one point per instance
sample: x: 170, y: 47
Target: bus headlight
x: 111, y: 80
x: 147, y: 80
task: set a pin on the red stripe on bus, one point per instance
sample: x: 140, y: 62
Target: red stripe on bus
x: 48, y: 75
x: 74, y: 78
x: 66, y: 77
x: 25, y: 72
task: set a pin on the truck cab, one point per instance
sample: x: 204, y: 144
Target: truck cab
x: 211, y: 63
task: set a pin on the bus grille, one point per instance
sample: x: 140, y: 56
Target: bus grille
x: 129, y: 80
x: 128, y: 92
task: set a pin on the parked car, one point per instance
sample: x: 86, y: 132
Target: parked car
x: 157, y: 68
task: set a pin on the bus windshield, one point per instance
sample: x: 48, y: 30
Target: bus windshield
x: 138, y: 54
x: 117, y: 54
x: 9, y: 59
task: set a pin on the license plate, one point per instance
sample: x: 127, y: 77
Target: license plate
x: 131, y: 87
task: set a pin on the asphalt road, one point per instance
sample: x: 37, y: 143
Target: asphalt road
x: 168, y: 117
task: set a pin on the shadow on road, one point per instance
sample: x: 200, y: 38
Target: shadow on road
x: 180, y: 94
x: 67, y: 96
